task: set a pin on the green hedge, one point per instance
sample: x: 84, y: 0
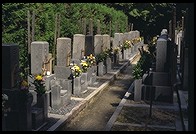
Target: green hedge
x: 14, y: 21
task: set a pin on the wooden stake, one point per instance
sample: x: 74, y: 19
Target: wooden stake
x: 33, y: 26
x: 29, y: 32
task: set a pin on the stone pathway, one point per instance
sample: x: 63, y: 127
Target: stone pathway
x: 96, y: 115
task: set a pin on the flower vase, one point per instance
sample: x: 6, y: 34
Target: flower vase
x: 116, y: 59
x: 41, y: 100
x: 42, y: 103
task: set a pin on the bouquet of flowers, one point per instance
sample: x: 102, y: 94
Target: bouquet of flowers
x: 126, y: 45
x: 39, y: 83
x: 84, y: 65
x: 24, y: 85
x: 116, y: 50
x: 76, y: 71
x: 91, y: 60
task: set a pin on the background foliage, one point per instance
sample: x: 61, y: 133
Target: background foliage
x: 148, y: 18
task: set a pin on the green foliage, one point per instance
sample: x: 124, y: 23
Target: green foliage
x: 150, y: 18
x: 101, y: 56
x: 14, y: 23
x: 137, y: 71
x: 145, y: 61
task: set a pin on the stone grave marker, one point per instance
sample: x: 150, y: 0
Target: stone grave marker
x: 78, y: 46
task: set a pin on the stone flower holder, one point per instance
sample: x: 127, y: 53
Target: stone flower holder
x: 137, y: 89
x: 77, y: 86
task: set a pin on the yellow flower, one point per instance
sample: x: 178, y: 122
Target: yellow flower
x: 24, y: 83
x: 38, y: 77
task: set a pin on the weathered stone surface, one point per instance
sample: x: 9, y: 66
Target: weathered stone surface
x: 98, y: 44
x: 62, y: 72
x: 39, y: 52
x: 106, y: 42
x: 78, y: 46
x: 63, y: 51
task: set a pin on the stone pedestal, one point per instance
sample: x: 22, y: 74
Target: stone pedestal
x: 100, y: 69
x: 116, y: 59
x: 137, y: 89
x: 42, y: 103
x: 108, y: 64
x: 55, y: 95
x: 84, y: 81
x: 37, y: 118
x: 77, y: 86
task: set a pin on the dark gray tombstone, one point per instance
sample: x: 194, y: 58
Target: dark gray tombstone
x: 161, y: 54
x: 19, y: 117
x: 89, y: 45
x: 10, y: 65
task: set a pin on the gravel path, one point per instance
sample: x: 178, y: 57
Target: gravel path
x: 96, y: 115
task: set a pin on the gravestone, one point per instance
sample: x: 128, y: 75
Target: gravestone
x: 63, y: 51
x: 116, y: 40
x: 62, y: 72
x: 161, y: 54
x: 78, y: 46
x: 10, y: 65
x: 98, y: 44
x: 89, y: 45
x: 106, y: 42
x: 162, y: 78
x: 39, y: 52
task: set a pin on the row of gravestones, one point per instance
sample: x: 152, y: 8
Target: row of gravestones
x: 82, y: 46
x: 58, y: 86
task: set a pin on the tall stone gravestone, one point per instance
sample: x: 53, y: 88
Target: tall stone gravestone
x: 78, y: 46
x: 39, y: 52
x: 98, y: 44
x: 116, y: 40
x: 106, y: 42
x: 161, y: 78
x: 62, y: 72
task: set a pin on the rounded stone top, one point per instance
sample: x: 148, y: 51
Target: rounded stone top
x: 79, y: 35
x: 164, y: 31
x: 63, y: 38
x: 39, y: 42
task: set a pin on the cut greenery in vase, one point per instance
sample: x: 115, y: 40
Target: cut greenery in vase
x: 137, y: 71
x: 39, y: 83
